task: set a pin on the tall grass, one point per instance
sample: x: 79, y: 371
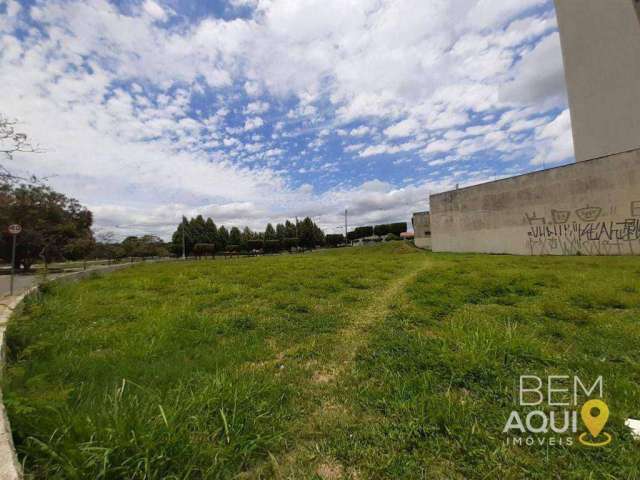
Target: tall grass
x: 182, y: 370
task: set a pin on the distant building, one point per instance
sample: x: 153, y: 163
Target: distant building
x: 591, y: 207
x: 422, y: 229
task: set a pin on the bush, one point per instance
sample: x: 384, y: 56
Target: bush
x: 361, y: 232
x: 255, y: 245
x: 290, y: 243
x: 398, y: 228
x: 334, y: 240
x: 392, y: 237
x: 381, y: 230
x: 204, y: 249
x: 272, y: 246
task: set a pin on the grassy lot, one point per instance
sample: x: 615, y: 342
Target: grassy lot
x: 378, y: 362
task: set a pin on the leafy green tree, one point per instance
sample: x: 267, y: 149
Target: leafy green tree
x: 247, y: 234
x: 235, y: 237
x: 292, y: 231
x: 198, y: 230
x: 281, y: 231
x: 223, y: 238
x: 79, y: 248
x: 204, y: 249
x: 269, y: 232
x: 334, y: 240
x: 145, y: 246
x: 176, y: 239
x: 211, y: 231
x: 50, y: 221
x: 306, y: 233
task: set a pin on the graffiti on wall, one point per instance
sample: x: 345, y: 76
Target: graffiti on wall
x: 585, y: 231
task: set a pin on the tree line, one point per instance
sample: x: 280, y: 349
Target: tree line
x: 393, y: 229
x: 203, y: 237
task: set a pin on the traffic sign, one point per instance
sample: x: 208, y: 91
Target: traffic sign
x: 15, y: 229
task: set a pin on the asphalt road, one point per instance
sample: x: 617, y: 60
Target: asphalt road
x: 21, y: 283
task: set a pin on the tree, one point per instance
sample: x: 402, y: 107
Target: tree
x: 398, y: 228
x: 204, y: 249
x: 198, y: 230
x: 269, y: 232
x: 107, y: 247
x: 247, y: 236
x: 176, y: 238
x: 235, y: 237
x: 223, y: 238
x: 361, y: 232
x: 49, y: 219
x: 335, y: 240
x: 11, y: 142
x: 291, y: 230
x: 211, y: 231
x: 145, y: 246
x: 381, y: 230
x: 306, y: 233
x: 79, y: 248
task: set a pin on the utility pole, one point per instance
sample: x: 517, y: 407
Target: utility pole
x: 184, y: 249
x: 345, y: 226
x: 14, y: 230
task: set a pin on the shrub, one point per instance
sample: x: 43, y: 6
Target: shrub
x: 290, y: 243
x: 272, y: 246
x: 203, y: 249
x: 381, y: 230
x: 398, y: 228
x: 255, y: 245
x: 334, y: 240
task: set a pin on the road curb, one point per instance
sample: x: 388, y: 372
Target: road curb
x: 10, y: 468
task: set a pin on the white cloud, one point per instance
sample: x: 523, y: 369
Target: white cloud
x: 539, y: 76
x: 555, y: 141
x: 404, y: 128
x: 421, y: 71
x: 155, y: 10
x: 253, y: 123
x: 256, y: 108
x: 360, y: 131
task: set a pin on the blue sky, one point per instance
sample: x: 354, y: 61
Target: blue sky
x: 252, y: 111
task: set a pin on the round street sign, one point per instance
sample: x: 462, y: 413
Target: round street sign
x: 15, y: 229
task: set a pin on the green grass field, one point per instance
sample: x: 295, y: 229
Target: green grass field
x: 375, y: 362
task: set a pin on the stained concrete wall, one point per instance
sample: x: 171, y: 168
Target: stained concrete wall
x: 422, y: 229
x: 591, y: 207
x: 601, y: 52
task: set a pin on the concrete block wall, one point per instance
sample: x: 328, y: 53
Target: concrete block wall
x: 590, y: 208
x: 422, y: 229
x: 601, y: 52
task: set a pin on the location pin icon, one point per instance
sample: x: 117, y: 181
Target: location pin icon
x: 595, y: 423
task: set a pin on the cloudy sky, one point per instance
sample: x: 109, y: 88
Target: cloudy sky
x: 257, y: 110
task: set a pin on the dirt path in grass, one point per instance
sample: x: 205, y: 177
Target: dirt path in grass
x: 326, y: 384
x: 356, y: 333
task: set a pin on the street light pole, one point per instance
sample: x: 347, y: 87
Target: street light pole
x: 13, y: 264
x: 184, y: 249
x: 345, y: 226
x: 14, y: 230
